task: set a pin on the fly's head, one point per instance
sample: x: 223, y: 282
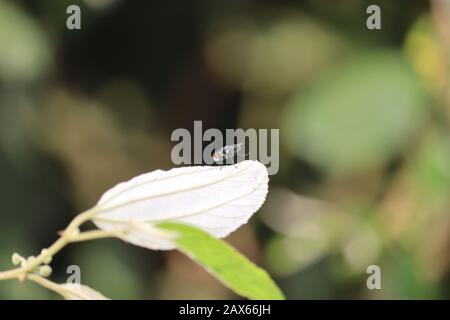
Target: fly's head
x: 216, y: 156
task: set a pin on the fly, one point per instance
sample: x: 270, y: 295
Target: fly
x: 226, y: 152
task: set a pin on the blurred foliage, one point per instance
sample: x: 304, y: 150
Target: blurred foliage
x: 24, y: 52
x: 360, y: 115
x: 364, y: 125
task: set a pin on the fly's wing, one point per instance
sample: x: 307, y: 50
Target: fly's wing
x: 227, y: 152
x: 235, y: 149
x: 239, y: 152
x: 239, y: 147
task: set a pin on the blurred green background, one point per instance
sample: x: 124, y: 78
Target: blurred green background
x: 364, y: 136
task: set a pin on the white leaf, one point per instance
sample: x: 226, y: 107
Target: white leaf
x: 215, y: 199
x: 73, y: 291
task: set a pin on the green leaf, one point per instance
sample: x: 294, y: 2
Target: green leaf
x: 224, y: 262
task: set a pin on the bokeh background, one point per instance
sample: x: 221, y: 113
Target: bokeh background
x: 364, y: 136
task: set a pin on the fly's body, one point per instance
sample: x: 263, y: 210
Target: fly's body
x: 226, y: 152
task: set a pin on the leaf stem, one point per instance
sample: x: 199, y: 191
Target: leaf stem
x: 96, y: 234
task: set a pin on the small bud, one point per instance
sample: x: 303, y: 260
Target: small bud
x: 16, y: 259
x: 47, y: 259
x: 45, y: 271
x: 30, y: 259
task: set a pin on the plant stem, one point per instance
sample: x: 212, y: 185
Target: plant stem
x: 66, y: 237
x: 45, y: 283
x: 96, y: 234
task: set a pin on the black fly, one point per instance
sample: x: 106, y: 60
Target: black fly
x: 226, y: 152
